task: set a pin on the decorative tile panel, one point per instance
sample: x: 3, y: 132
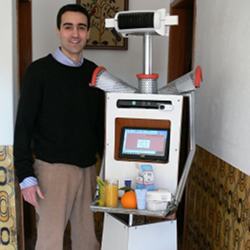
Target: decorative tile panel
x: 8, y: 232
x: 217, y: 215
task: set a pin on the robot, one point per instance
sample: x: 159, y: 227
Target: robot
x: 143, y: 130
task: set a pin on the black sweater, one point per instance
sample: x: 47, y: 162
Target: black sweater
x: 60, y: 118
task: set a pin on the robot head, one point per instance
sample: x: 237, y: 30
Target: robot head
x: 154, y: 22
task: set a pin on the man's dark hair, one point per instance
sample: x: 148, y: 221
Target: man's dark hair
x: 74, y: 8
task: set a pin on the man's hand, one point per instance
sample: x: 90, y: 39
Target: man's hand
x: 30, y: 194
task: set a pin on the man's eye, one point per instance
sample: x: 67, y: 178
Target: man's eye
x: 67, y: 27
x: 82, y: 27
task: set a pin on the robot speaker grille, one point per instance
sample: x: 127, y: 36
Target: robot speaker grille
x: 136, y: 20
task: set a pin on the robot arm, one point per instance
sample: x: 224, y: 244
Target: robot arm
x: 184, y: 84
x: 104, y: 80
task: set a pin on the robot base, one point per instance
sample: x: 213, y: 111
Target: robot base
x: 119, y: 235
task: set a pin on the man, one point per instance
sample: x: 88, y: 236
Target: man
x: 60, y: 125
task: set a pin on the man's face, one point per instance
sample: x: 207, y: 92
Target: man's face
x: 73, y: 34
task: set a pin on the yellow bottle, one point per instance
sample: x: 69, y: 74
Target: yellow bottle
x: 111, y: 193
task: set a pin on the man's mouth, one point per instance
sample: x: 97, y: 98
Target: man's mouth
x: 75, y: 41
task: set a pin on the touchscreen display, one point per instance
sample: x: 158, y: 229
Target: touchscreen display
x: 145, y: 143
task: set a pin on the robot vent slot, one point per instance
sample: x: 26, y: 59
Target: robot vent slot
x: 136, y: 20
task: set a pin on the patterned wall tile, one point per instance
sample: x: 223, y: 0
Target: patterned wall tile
x: 8, y: 232
x: 217, y: 206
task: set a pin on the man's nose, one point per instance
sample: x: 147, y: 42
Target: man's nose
x: 75, y: 31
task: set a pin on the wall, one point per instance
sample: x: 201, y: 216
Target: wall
x: 222, y: 49
x: 7, y: 65
x: 8, y: 59
x: 217, y: 205
x: 217, y: 208
x: 130, y: 62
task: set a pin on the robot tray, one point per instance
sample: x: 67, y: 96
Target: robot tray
x: 142, y: 212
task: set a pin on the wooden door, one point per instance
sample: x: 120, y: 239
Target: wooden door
x: 26, y: 216
x: 181, y: 39
x: 180, y: 61
x: 24, y: 35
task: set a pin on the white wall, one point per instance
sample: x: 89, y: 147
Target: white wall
x: 44, y: 39
x: 123, y: 64
x: 7, y: 67
x: 223, y: 102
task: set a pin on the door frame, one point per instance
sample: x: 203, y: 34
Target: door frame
x: 180, y: 61
x: 26, y: 214
x: 181, y: 42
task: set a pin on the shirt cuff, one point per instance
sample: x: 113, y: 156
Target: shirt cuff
x: 28, y: 182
